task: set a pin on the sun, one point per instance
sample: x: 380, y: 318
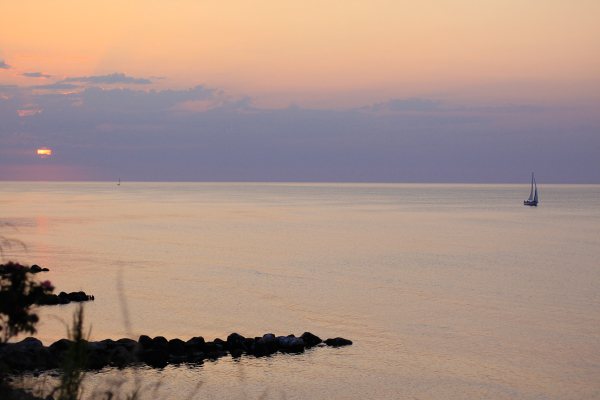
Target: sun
x: 44, y: 152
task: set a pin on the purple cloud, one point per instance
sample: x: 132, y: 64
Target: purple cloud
x: 36, y: 75
x: 109, y: 79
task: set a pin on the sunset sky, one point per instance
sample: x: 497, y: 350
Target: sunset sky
x: 349, y: 91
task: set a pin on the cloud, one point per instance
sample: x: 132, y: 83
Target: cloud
x: 36, y: 75
x: 4, y: 65
x: 109, y: 79
x: 56, y: 86
x: 410, y: 104
x: 147, y: 134
x: 123, y: 99
x: 8, y: 88
x: 27, y: 113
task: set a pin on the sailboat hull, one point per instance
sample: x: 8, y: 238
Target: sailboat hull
x: 530, y: 203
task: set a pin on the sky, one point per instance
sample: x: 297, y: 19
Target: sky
x: 434, y: 91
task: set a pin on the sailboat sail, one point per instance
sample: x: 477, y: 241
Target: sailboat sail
x: 533, y: 196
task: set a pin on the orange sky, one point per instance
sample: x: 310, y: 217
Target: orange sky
x: 328, y: 53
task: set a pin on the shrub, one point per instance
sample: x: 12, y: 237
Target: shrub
x: 18, y: 293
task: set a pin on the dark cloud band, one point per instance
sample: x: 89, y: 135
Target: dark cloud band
x: 36, y: 75
x: 109, y: 79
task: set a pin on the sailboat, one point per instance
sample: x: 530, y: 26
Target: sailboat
x: 119, y: 184
x: 533, y: 196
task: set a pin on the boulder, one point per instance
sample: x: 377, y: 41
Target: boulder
x: 271, y: 343
x: 210, y: 347
x: 19, y: 360
x: 60, y: 346
x: 130, y: 345
x: 160, y: 343
x: 35, y: 269
x: 49, y: 300
x: 177, y: 348
x: 236, y: 341
x: 110, y: 344
x: 119, y: 357
x: 157, y: 358
x: 97, y: 361
x: 338, y: 341
x: 43, y: 359
x: 98, y: 347
x: 291, y: 344
x: 195, y: 344
x: 249, y: 344
x: 310, y: 340
x: 260, y: 349
x: 29, y: 344
x: 236, y: 353
x: 146, y: 342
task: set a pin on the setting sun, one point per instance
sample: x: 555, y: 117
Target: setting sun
x: 44, y: 152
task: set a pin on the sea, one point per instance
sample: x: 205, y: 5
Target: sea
x: 448, y: 291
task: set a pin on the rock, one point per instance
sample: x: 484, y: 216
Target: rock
x: 216, y: 354
x: 195, y: 344
x: 64, y: 298
x: 160, y: 343
x: 60, y: 346
x: 221, y: 343
x: 236, y: 353
x: 45, y: 269
x: 43, y: 358
x: 77, y: 296
x: 19, y: 360
x: 119, y: 357
x: 211, y: 347
x: 97, y: 361
x: 236, y: 341
x: 130, y: 345
x: 177, y: 348
x: 338, y: 342
x: 146, y: 342
x: 110, y: 344
x: 35, y: 269
x: 260, y: 348
x: 98, y: 347
x: 249, y: 344
x: 157, y: 358
x: 291, y: 344
x: 49, y: 300
x: 29, y: 344
x: 310, y: 340
x: 271, y: 343
x: 196, y: 356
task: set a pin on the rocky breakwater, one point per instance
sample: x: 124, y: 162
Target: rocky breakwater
x: 30, y: 354
x: 64, y: 298
x: 34, y: 269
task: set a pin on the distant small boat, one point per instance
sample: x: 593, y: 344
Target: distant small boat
x: 119, y: 184
x: 533, y: 196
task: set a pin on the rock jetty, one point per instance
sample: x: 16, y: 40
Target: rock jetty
x: 64, y: 298
x: 31, y: 354
x: 34, y: 269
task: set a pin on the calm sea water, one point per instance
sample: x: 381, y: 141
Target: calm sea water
x: 448, y: 291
